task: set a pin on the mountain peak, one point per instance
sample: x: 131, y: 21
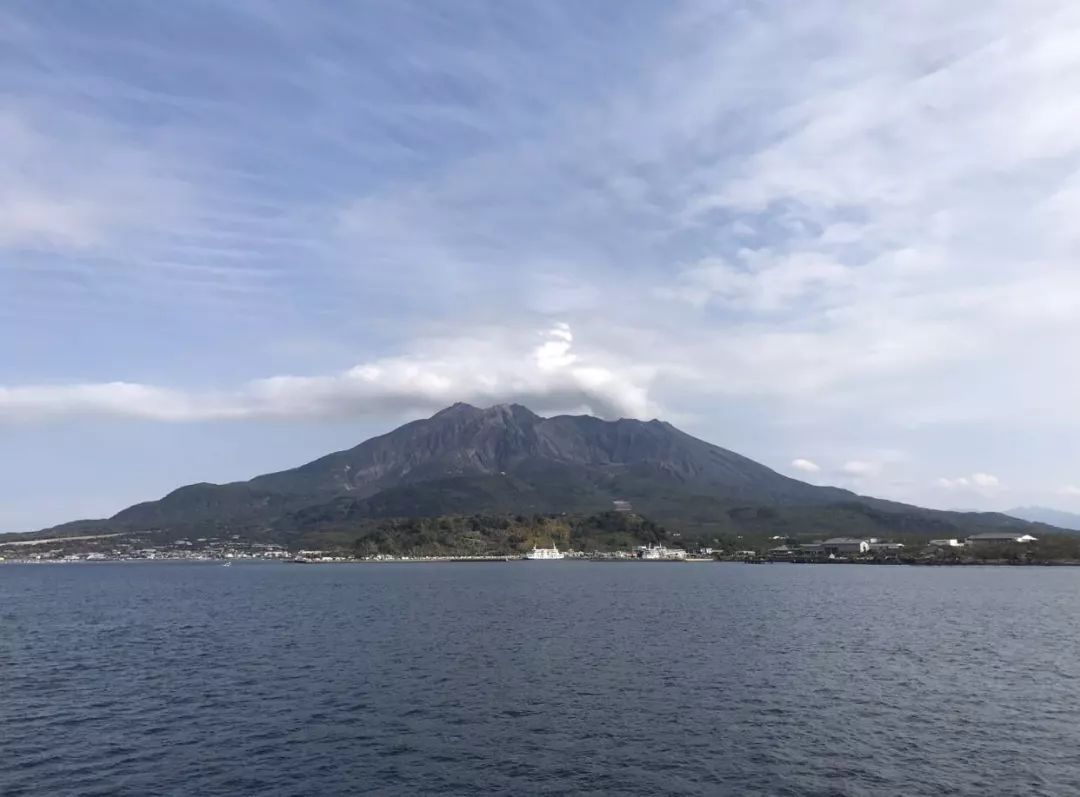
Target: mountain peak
x: 516, y: 410
x: 458, y: 408
x: 463, y: 409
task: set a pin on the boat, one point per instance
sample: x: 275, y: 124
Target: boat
x: 544, y: 553
x: 656, y: 553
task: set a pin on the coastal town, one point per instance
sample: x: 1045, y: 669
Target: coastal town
x: 116, y: 548
x: 870, y: 550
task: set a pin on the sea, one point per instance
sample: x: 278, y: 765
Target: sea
x: 553, y: 678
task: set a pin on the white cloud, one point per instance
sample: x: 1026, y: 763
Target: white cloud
x: 960, y: 482
x: 1071, y: 490
x: 561, y: 331
x: 859, y: 469
x: 761, y: 281
x: 891, y: 240
x: 881, y: 234
x: 555, y: 354
x: 27, y: 218
x: 77, y: 187
x: 441, y: 372
x: 806, y: 466
x: 980, y: 483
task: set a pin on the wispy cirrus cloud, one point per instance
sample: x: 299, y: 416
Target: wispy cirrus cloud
x: 69, y: 185
x: 836, y: 230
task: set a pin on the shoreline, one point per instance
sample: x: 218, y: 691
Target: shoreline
x: 515, y: 560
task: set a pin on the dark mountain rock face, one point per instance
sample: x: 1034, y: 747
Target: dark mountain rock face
x: 508, y: 459
x: 466, y: 441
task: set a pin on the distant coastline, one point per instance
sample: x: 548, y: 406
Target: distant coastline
x: 521, y: 560
x: 613, y: 536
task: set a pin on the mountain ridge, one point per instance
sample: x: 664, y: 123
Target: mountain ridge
x: 1043, y: 514
x: 506, y: 458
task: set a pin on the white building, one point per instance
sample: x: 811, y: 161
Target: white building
x: 836, y: 545
x: 887, y: 547
x: 951, y: 543
x: 1001, y: 538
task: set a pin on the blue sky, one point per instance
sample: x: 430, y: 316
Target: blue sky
x: 839, y: 238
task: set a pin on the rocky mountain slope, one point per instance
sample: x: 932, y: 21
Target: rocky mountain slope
x: 506, y: 459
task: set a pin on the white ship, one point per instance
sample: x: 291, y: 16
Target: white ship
x: 544, y: 553
x: 660, y: 553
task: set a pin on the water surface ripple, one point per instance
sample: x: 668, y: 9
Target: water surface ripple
x: 539, y: 678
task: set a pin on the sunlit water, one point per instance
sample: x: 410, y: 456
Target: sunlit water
x: 538, y: 678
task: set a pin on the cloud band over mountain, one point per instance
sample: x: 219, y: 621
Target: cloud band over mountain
x: 550, y: 376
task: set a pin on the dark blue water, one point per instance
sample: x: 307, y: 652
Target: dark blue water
x: 538, y: 678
